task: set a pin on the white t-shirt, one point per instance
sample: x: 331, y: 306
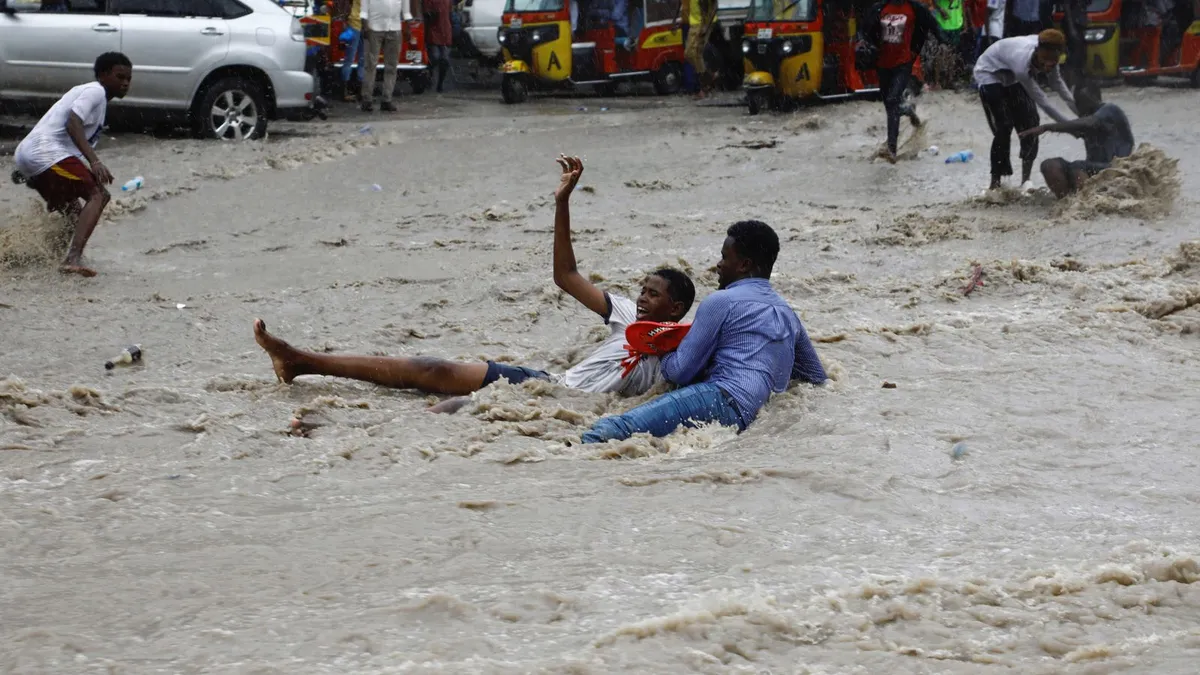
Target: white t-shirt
x: 49, y: 143
x: 600, y: 372
x: 1007, y: 62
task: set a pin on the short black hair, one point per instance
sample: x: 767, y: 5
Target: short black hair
x: 679, y: 286
x: 109, y: 60
x: 757, y: 242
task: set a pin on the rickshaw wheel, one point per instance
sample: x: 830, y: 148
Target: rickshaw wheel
x: 756, y: 102
x: 420, y: 82
x: 514, y: 90
x: 668, y: 80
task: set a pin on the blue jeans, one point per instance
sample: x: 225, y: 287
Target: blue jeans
x: 688, y: 407
x: 355, y: 51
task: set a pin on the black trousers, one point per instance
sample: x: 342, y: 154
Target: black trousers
x: 893, y: 84
x: 1009, y: 109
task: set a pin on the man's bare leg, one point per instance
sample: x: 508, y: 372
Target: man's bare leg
x: 85, y: 224
x: 435, y: 376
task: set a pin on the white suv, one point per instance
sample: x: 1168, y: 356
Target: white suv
x: 225, y: 67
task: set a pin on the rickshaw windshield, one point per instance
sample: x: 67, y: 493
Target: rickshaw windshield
x: 533, y: 6
x: 783, y: 10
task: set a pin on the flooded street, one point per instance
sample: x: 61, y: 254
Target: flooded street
x: 1022, y: 501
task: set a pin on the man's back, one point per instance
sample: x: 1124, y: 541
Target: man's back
x: 1112, y: 138
x: 745, y: 340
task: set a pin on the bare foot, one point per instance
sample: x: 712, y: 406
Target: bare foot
x: 450, y: 405
x: 77, y: 269
x: 284, y: 358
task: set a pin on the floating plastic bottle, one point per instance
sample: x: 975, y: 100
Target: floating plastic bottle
x: 129, y: 355
x: 961, y: 157
x: 133, y: 184
x: 932, y: 151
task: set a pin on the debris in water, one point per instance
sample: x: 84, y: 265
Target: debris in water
x: 376, y: 187
x: 960, y: 157
x: 975, y: 282
x: 959, y: 451
x: 889, y: 385
x: 753, y: 145
x: 129, y: 355
x: 932, y: 151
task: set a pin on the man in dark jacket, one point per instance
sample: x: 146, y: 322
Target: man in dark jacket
x: 898, y: 29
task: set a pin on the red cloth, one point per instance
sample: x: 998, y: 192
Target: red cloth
x: 63, y: 183
x: 896, y: 22
x: 437, y: 23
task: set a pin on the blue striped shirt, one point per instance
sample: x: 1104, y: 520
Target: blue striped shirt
x: 747, y: 341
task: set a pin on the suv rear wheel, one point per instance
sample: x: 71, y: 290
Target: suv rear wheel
x: 232, y: 109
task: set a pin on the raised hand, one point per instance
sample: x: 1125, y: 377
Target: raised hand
x: 572, y: 169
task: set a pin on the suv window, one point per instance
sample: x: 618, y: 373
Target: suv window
x: 226, y: 9
x: 75, y: 7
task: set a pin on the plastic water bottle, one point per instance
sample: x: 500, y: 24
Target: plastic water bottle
x: 961, y: 157
x: 932, y: 151
x: 133, y: 184
x: 131, y: 354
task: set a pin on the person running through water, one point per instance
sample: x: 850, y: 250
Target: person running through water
x: 1011, y: 96
x: 1106, y: 135
x: 899, y: 29
x: 666, y: 296
x: 50, y: 158
x: 745, y: 343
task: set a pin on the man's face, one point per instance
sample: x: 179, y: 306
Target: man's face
x: 655, y: 303
x: 1045, y: 59
x: 116, y: 81
x: 731, y: 267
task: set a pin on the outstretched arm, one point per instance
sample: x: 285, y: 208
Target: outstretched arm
x: 1076, y: 127
x: 566, y: 274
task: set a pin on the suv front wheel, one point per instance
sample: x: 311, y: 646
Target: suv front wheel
x: 232, y: 109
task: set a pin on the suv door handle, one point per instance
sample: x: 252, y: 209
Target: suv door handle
x: 211, y: 31
x: 104, y: 28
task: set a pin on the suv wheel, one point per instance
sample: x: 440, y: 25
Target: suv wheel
x: 232, y: 109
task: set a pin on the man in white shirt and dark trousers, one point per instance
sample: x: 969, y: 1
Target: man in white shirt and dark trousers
x: 382, y: 28
x: 1011, y: 96
x: 50, y: 157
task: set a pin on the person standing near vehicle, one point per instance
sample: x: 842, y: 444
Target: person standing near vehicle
x: 1011, y: 97
x: 49, y: 158
x: 439, y: 36
x: 382, y: 26
x: 1075, y: 25
x: 899, y: 29
x: 356, y: 49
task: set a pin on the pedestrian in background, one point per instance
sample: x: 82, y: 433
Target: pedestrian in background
x: 382, y: 25
x: 356, y: 50
x: 439, y: 35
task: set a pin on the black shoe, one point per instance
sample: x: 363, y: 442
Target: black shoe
x: 387, y: 106
x: 367, y: 106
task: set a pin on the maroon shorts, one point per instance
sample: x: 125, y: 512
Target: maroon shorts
x: 65, y: 182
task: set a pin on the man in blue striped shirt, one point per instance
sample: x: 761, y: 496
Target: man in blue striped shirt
x: 745, y: 343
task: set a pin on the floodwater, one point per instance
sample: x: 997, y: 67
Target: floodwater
x: 160, y: 519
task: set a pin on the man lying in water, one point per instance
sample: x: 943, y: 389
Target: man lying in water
x: 666, y: 295
x: 1106, y: 135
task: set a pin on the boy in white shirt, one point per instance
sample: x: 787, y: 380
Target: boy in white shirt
x: 50, y: 157
x: 666, y: 296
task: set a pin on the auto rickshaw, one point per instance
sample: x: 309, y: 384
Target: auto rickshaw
x: 549, y: 44
x: 801, y: 49
x: 325, y: 33
x: 1121, y: 44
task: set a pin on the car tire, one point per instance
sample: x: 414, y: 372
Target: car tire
x: 232, y: 109
x: 668, y: 80
x: 513, y: 90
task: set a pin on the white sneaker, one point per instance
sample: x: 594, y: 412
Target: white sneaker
x: 1027, y: 187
